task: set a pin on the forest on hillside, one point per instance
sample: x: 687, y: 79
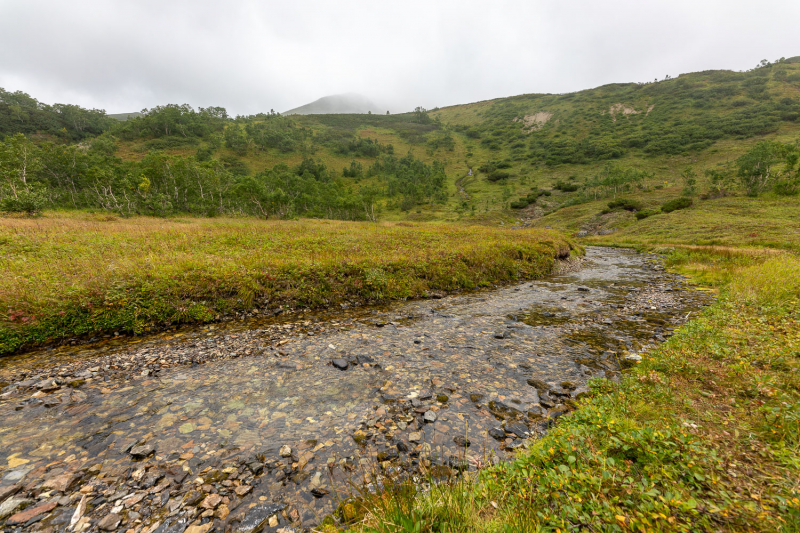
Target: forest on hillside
x: 174, y: 159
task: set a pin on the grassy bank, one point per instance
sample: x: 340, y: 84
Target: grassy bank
x: 769, y: 221
x: 78, y: 274
x: 703, y: 435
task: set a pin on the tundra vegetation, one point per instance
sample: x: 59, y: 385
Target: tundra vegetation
x: 75, y: 274
x: 183, y: 215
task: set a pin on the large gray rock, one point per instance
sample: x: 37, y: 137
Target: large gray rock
x: 12, y: 505
x: 142, y: 451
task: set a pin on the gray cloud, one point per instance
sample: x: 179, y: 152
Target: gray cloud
x: 251, y: 56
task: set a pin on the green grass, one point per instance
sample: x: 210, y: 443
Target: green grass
x: 80, y: 274
x: 769, y: 222
x: 703, y: 435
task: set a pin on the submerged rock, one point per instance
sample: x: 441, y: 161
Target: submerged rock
x: 258, y: 517
x: 341, y: 364
x: 497, y: 433
x: 142, y: 451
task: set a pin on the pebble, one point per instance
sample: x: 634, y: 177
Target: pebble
x: 497, y: 433
x: 109, y: 522
x: 461, y: 441
x: 142, y: 451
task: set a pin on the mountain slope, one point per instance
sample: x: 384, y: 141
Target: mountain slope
x: 336, y: 104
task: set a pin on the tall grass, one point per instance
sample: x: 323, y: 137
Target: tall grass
x: 74, y: 274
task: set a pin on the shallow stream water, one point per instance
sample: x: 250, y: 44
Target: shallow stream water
x: 394, y: 387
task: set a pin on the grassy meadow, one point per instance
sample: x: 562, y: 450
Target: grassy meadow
x: 769, y: 221
x: 70, y: 274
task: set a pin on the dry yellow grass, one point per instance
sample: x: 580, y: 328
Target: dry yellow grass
x: 78, y: 273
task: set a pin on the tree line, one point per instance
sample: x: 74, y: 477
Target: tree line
x: 35, y: 176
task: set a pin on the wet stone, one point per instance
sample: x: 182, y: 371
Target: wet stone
x: 520, y: 430
x: 540, y: 385
x: 12, y: 505
x: 497, y: 433
x: 33, y: 513
x: 341, y: 364
x: 142, y: 451
x: 388, y: 455
x: 256, y: 518
x: 319, y: 492
x: 462, y: 441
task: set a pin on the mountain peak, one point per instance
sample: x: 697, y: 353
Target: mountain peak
x: 337, y: 103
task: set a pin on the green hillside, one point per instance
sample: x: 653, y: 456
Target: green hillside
x: 532, y: 156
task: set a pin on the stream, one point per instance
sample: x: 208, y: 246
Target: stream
x: 261, y: 423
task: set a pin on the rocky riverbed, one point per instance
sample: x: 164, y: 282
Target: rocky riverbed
x: 262, y: 423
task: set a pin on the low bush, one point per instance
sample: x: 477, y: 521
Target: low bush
x: 678, y: 203
x: 625, y: 203
x: 641, y: 215
x: 565, y: 187
x: 498, y: 175
x: 522, y: 203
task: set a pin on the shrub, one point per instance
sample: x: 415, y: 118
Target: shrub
x: 522, y: 203
x: 787, y: 187
x: 565, y: 187
x: 625, y: 203
x: 677, y: 203
x: 498, y: 175
x: 29, y: 201
x: 641, y: 215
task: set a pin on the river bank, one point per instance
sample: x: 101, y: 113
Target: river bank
x: 71, y: 277
x: 271, y: 418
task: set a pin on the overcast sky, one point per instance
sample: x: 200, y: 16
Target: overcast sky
x: 251, y: 56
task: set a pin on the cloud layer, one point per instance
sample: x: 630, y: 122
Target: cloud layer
x: 251, y: 56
